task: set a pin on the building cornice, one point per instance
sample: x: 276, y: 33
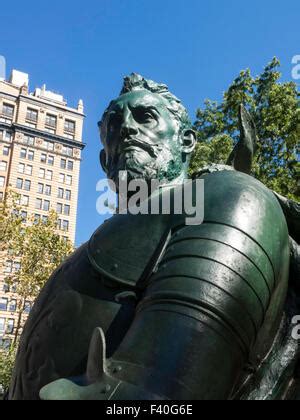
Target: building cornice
x: 5, y: 125
x: 47, y: 136
x: 33, y: 100
x: 8, y: 95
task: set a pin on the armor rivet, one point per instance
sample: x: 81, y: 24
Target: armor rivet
x: 117, y: 369
x: 115, y: 267
x: 106, y: 389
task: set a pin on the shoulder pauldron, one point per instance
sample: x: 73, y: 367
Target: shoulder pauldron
x: 126, y: 247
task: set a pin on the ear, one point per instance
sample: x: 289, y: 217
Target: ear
x: 103, y: 160
x: 188, y: 138
x: 242, y: 155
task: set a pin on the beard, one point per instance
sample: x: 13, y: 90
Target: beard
x: 148, y: 162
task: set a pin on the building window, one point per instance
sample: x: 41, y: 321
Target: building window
x: 37, y: 218
x: 8, y: 267
x: 21, y: 168
x: 27, y: 185
x: 68, y: 195
x: 5, y: 343
x: 44, y: 219
x: 40, y: 188
x: 2, y: 325
x: 48, y: 190
x: 23, y: 153
x: 30, y: 155
x: 3, y: 304
x: 49, y: 145
x: 49, y: 175
x: 60, y: 193
x: 61, y: 178
x: 17, y: 266
x: 6, y: 288
x: 27, y: 307
x: 51, y: 160
x: 28, y: 170
x: 63, y: 163
x: 66, y: 210
x: 38, y: 204
x: 1, y: 196
x: 2, y: 181
x: 3, y: 165
x: 46, y: 206
x: 32, y: 114
x: 23, y: 215
x: 19, y: 183
x: 70, y: 126
x: 8, y: 136
x: 10, y: 325
x: 68, y: 179
x: 51, y: 120
x: 25, y: 200
x: 42, y: 173
x: 59, y: 208
x: 70, y: 165
x: 5, y: 151
x: 68, y: 151
x: 65, y: 225
x: 43, y: 157
x: 29, y: 140
x: 5, y: 135
x: 13, y: 305
x: 8, y: 110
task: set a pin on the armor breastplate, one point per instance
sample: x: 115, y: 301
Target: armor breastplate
x: 214, y: 292
x: 127, y: 247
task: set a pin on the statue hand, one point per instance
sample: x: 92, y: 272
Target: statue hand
x: 95, y: 385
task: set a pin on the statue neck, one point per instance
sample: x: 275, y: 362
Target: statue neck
x: 154, y: 190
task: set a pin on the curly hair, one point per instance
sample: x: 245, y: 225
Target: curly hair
x: 135, y: 82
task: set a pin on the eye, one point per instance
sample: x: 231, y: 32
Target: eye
x: 114, y: 121
x: 144, y: 116
x: 148, y: 116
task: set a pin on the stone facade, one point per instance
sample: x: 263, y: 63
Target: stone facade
x: 40, y: 156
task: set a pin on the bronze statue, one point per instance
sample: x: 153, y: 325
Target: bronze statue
x: 151, y: 308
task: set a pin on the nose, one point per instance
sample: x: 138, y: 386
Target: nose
x: 128, y: 127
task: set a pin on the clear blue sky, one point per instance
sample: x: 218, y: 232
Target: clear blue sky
x: 83, y: 49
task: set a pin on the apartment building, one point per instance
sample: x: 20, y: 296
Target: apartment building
x: 40, y: 155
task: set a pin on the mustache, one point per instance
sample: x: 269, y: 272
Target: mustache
x: 152, y: 149
x: 119, y: 161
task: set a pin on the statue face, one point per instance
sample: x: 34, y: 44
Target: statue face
x: 141, y: 136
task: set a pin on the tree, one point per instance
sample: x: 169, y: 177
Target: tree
x: 275, y: 109
x: 7, y: 360
x: 36, y: 249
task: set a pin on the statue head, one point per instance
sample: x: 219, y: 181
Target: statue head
x: 146, y: 132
